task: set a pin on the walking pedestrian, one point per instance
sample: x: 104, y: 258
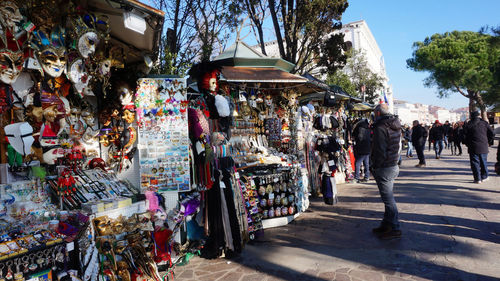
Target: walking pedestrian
x: 386, y: 149
x: 458, y: 136
x: 418, y: 138
x: 497, y: 164
x: 478, y: 135
x: 436, y: 135
x: 407, y: 137
x: 446, y: 131
x: 362, y: 145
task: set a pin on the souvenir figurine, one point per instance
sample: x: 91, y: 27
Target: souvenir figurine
x: 66, y: 184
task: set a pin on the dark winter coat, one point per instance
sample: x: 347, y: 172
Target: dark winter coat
x: 447, y: 129
x: 386, y: 142
x: 457, y: 135
x: 362, y: 137
x: 408, y: 134
x: 436, y: 133
x: 478, y: 135
x: 418, y: 135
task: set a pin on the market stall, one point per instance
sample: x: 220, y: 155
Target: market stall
x: 93, y: 165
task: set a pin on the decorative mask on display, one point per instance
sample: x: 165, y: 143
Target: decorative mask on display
x: 20, y: 136
x: 112, y: 57
x: 88, y: 118
x: 51, y: 155
x: 12, y: 56
x: 269, y: 100
x: 129, y: 115
x: 88, y: 30
x: 77, y: 73
x: 10, y: 16
x: 50, y: 50
x: 209, y: 81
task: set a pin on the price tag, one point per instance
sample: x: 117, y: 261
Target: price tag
x: 222, y: 185
x: 331, y: 163
x: 237, y: 175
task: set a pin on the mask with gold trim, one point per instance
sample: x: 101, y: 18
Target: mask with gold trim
x: 50, y: 50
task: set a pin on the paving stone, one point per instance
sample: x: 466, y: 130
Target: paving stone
x: 342, y: 277
x: 394, y: 278
x: 343, y: 270
x: 417, y: 278
x: 328, y: 275
x: 186, y: 274
x: 213, y: 276
x: 366, y: 275
x: 253, y: 277
x: 232, y: 276
x: 311, y: 273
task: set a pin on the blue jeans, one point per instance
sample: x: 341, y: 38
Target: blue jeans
x: 479, y: 166
x: 409, y: 152
x: 365, y: 160
x: 385, y: 182
x: 438, y: 147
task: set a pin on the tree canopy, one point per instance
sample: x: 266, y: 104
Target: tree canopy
x: 458, y: 61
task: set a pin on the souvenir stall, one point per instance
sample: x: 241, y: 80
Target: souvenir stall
x: 261, y: 129
x: 330, y: 141
x: 88, y: 191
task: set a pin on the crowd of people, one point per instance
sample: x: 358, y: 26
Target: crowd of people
x: 378, y: 144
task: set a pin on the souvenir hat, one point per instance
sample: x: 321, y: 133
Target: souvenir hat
x: 20, y: 136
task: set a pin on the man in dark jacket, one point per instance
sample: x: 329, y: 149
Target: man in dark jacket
x: 436, y: 135
x: 362, y: 138
x: 386, y: 148
x: 446, y: 130
x: 478, y: 135
x: 418, y: 138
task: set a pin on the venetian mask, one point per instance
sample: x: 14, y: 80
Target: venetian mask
x: 88, y: 118
x: 50, y: 51
x: 87, y: 44
x: 128, y: 116
x: 12, y: 55
x: 74, y: 116
x: 10, y: 15
x: 11, y: 65
x: 105, y: 67
x: 85, y: 29
x: 78, y: 75
x: 50, y: 157
x: 209, y: 81
x: 50, y: 113
x: 268, y: 101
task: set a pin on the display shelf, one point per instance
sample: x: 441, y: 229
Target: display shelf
x: 277, y: 222
x: 127, y: 211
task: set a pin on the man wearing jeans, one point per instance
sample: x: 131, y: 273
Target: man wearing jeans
x: 478, y: 135
x: 436, y: 135
x: 386, y: 148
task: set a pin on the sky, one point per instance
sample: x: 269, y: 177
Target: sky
x: 396, y: 24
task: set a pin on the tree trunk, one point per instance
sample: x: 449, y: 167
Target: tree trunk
x: 482, y: 106
x: 277, y: 30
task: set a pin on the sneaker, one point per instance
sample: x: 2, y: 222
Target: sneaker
x: 382, y: 229
x: 486, y: 179
x: 365, y: 180
x: 392, y: 234
x: 477, y: 181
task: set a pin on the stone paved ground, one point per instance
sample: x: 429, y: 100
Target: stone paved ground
x: 451, y: 231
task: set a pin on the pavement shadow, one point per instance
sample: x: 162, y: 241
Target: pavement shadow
x: 346, y: 234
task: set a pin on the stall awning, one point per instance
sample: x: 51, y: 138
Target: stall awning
x: 258, y: 75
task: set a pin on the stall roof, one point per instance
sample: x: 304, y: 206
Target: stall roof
x: 258, y: 75
x: 362, y: 106
x: 241, y: 55
x: 147, y: 43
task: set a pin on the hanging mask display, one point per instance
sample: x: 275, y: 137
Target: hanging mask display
x: 20, y: 136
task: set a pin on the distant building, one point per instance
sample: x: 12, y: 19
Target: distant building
x: 426, y: 114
